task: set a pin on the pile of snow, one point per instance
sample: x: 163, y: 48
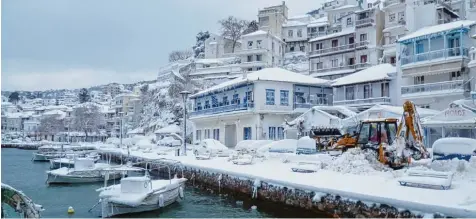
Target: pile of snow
x: 251, y: 144
x: 213, y: 144
x: 306, y: 145
x: 356, y: 161
x: 463, y: 169
x: 113, y: 140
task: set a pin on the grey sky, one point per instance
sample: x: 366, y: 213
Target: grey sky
x: 49, y: 44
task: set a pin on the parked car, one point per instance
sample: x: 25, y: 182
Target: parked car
x: 172, y: 140
x: 454, y: 147
x: 213, y: 147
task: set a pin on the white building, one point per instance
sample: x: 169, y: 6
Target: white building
x: 271, y: 19
x: 434, y: 64
x: 366, y: 88
x: 260, y: 49
x: 295, y: 33
x: 254, y: 106
x: 217, y: 46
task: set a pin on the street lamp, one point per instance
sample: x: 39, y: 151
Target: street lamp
x: 184, y: 94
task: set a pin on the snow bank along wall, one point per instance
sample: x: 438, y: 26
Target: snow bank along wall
x: 332, y: 204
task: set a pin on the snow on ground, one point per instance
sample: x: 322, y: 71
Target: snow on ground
x: 296, y: 62
x: 354, y: 175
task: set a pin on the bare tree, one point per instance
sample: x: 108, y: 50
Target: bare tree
x: 51, y: 125
x: 87, y: 118
x: 180, y: 55
x: 232, y: 28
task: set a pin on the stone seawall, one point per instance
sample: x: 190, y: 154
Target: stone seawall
x: 22, y: 146
x: 331, y: 204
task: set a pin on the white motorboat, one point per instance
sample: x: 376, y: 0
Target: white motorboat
x: 140, y: 194
x: 68, y: 160
x: 84, y: 171
x: 48, y: 152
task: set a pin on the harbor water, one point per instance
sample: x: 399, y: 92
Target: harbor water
x: 20, y: 172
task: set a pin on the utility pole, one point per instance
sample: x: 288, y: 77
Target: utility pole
x: 184, y: 96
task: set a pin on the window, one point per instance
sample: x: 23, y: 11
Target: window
x: 393, y: 60
x: 313, y: 30
x: 269, y: 96
x: 259, y: 57
x: 351, y: 61
x: 349, y: 21
x: 335, y: 43
x: 321, y: 29
x: 198, y: 135
x: 401, y: 16
x: 369, y: 5
x: 272, y: 47
x: 363, y: 37
x: 272, y: 60
x: 207, y: 134
x: 199, y: 106
x: 291, y: 49
x: 384, y: 87
x: 249, y: 96
x: 249, y: 58
x: 318, y: 46
x: 391, y: 17
x: 272, y: 133
x: 216, y: 134
x: 225, y: 101
x: 419, y: 80
x: 250, y: 69
x: 250, y: 44
x: 351, y: 40
x: 456, y: 75
x: 349, y: 93
x: 319, y: 65
x: 334, y: 62
x: 258, y: 68
x: 280, y: 133
x: 207, y: 104
x: 214, y: 101
x: 258, y: 43
x: 290, y: 33
x: 299, y: 33
x: 236, y: 99
x: 363, y: 59
x: 284, y: 98
x: 246, y: 133
x: 367, y: 92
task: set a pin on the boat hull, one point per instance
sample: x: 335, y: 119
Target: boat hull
x: 110, y: 209
x: 72, y: 179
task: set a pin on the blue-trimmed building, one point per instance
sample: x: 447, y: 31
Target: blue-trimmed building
x: 433, y: 64
x: 254, y: 106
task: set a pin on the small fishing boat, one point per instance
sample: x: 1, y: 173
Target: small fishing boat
x: 48, y: 152
x: 141, y: 193
x: 85, y: 171
x: 68, y: 161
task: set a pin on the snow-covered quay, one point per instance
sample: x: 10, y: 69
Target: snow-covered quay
x: 348, y: 186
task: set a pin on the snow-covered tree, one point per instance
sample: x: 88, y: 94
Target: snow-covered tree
x: 232, y: 28
x: 87, y: 118
x: 251, y: 27
x: 180, y: 55
x: 84, y: 95
x: 199, y: 48
x: 51, y: 125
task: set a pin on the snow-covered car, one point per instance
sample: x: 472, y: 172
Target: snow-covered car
x: 454, y: 147
x: 213, y: 147
x: 169, y: 141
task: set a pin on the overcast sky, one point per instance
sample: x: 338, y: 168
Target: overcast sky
x: 50, y: 44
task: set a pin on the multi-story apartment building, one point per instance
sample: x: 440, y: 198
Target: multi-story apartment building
x: 295, y: 33
x: 217, y: 46
x: 260, y: 49
x: 113, y: 89
x: 125, y: 105
x: 366, y: 88
x: 220, y: 68
x: 395, y: 27
x: 255, y: 105
x: 433, y: 63
x: 317, y: 27
x: 271, y: 19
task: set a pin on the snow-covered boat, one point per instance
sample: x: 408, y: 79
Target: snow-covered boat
x: 20, y: 202
x: 84, y: 171
x: 68, y: 160
x: 48, y: 152
x: 140, y: 194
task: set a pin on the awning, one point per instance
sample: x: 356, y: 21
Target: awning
x: 453, y: 117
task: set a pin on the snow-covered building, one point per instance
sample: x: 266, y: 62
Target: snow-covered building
x: 295, y: 33
x: 260, y: 49
x: 113, y: 89
x: 395, y: 27
x: 8, y: 107
x: 255, y: 105
x: 217, y: 46
x: 317, y: 27
x: 220, y: 68
x: 433, y: 64
x: 271, y: 19
x: 352, y: 43
x: 366, y: 88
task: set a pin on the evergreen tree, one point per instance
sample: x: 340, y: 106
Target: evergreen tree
x: 84, y: 95
x: 14, y: 97
x: 199, y: 48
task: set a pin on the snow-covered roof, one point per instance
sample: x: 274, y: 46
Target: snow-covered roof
x: 292, y: 23
x: 314, y: 117
x: 267, y: 74
x: 54, y: 112
x: 338, y: 34
x: 374, y: 73
x: 256, y: 33
x: 425, y: 31
x: 318, y: 22
x: 454, y: 116
x: 344, y: 7
x: 173, y: 128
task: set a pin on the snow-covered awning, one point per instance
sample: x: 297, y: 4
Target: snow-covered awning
x: 375, y: 73
x: 438, y: 30
x: 455, y: 117
x: 313, y: 118
x: 168, y: 129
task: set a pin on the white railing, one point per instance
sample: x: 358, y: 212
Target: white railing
x: 356, y: 66
x: 437, y: 54
x: 316, y: 34
x: 338, y: 48
x: 448, y: 86
x: 395, y: 23
x: 364, y: 21
x: 367, y: 101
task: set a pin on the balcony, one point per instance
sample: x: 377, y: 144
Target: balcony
x: 253, y: 50
x: 364, y: 22
x: 434, y: 89
x: 393, y: 2
x: 394, y: 24
x: 360, y: 102
x: 316, y: 34
x: 337, y: 49
x: 345, y: 67
x: 222, y: 109
x: 253, y: 64
x: 437, y: 55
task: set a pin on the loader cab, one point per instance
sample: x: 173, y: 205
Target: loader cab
x: 374, y: 132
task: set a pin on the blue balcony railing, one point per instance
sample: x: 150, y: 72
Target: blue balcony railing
x: 222, y: 109
x: 435, y: 55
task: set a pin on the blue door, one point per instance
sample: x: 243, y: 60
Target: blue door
x: 247, y: 133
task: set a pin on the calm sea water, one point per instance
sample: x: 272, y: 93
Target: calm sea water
x: 20, y: 172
